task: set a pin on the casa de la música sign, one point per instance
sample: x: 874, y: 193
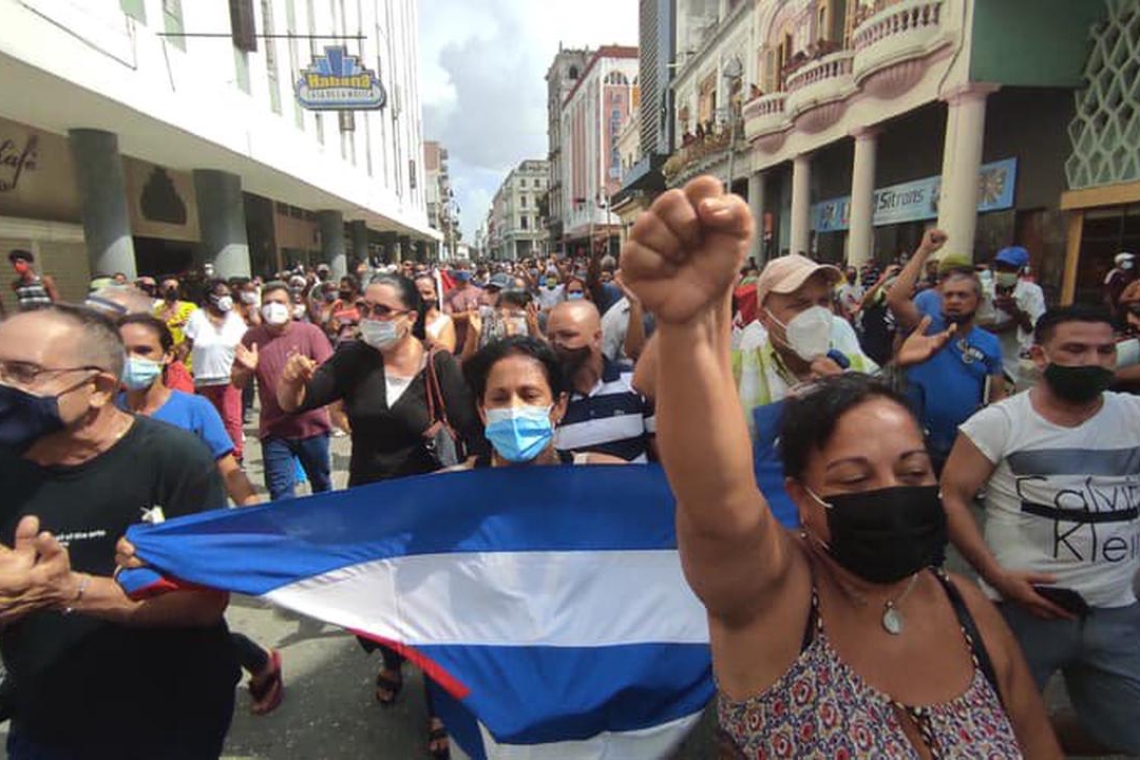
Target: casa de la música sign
x: 337, y: 82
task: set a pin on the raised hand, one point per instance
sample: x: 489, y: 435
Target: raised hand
x: 919, y: 347
x: 247, y: 357
x: 298, y: 369
x: 933, y: 240
x: 684, y: 253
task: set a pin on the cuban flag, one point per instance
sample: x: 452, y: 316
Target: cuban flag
x: 548, y: 603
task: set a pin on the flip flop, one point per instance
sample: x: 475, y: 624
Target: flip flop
x: 393, y: 686
x: 439, y: 743
x: 267, y: 693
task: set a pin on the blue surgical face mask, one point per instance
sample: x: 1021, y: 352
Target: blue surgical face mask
x: 25, y: 418
x: 520, y: 433
x: 576, y: 295
x: 140, y: 373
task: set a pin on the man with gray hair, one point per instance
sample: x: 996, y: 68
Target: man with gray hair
x: 82, y: 658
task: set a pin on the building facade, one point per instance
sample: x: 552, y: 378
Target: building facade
x: 442, y: 210
x: 158, y: 135
x: 561, y: 77
x: 518, y: 224
x: 593, y: 116
x: 851, y: 125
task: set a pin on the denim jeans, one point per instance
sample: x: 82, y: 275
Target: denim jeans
x: 280, y: 470
x: 1099, y: 658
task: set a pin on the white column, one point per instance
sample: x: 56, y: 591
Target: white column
x: 801, y: 204
x: 961, y: 160
x: 756, y: 205
x: 861, y: 235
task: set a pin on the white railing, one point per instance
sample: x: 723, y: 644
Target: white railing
x: 902, y: 18
x: 764, y: 105
x: 829, y: 67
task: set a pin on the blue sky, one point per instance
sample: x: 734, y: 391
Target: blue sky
x: 482, y: 81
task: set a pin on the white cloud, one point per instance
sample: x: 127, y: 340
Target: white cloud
x: 482, y: 80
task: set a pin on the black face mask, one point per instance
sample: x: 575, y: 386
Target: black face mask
x: 1078, y: 385
x: 885, y: 535
x: 170, y: 294
x: 959, y: 319
x: 573, y: 359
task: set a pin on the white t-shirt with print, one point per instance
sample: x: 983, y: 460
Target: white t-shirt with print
x: 214, y: 347
x: 1064, y: 500
x: 1014, y: 343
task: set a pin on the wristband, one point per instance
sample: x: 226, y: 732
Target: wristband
x: 84, y: 582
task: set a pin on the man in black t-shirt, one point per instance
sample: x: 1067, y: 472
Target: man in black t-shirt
x: 94, y: 674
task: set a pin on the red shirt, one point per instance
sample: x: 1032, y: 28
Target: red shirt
x: 273, y: 353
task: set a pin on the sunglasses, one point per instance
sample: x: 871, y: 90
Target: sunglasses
x: 378, y: 310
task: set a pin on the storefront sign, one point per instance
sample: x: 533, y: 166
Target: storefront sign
x: 337, y: 82
x: 15, y: 159
x: 918, y: 200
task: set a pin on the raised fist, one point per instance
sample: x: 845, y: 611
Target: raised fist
x: 684, y: 253
x: 933, y: 240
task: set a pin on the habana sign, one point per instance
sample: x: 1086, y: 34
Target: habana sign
x: 337, y: 82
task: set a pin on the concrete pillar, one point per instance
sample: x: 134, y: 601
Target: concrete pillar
x: 332, y: 242
x: 861, y: 236
x: 801, y: 205
x: 406, y: 252
x: 102, y: 190
x: 221, y: 222
x: 961, y: 160
x: 358, y: 232
x: 756, y: 182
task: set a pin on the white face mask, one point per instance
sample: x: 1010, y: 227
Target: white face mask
x: 1006, y: 279
x: 275, y: 314
x: 1126, y: 264
x: 378, y: 334
x: 808, y: 333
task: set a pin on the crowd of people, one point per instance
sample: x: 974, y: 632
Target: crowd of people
x: 903, y: 400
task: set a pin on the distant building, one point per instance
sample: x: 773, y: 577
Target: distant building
x: 561, y: 78
x: 593, y: 116
x: 441, y: 208
x: 517, y: 223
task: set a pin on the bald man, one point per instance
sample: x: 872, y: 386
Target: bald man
x: 82, y: 658
x: 605, y: 413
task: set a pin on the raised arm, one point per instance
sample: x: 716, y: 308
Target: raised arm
x: 681, y: 261
x: 900, y: 297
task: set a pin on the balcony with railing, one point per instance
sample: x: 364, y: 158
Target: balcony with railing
x: 699, y: 154
x: 764, y: 115
x: 904, y: 33
x: 819, y: 82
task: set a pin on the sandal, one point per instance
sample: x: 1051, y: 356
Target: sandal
x: 439, y: 745
x: 388, y: 688
x: 267, y: 690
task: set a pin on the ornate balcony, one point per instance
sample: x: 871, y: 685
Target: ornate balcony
x: 820, y: 86
x: 894, y: 47
x: 765, y: 115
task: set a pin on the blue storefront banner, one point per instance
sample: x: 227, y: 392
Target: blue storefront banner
x: 918, y: 200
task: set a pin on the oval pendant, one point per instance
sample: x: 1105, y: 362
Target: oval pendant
x: 892, y: 622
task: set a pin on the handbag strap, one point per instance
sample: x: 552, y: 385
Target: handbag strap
x: 437, y: 405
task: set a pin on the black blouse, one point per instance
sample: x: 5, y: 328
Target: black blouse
x: 389, y: 443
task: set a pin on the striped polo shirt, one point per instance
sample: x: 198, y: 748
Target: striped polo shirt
x: 612, y: 419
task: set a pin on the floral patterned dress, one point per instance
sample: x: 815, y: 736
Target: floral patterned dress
x: 821, y: 708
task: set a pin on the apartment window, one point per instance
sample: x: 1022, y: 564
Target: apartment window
x: 271, y: 56
x: 243, y: 26
x: 172, y: 22
x: 412, y: 173
x: 522, y: 201
x: 291, y: 27
x: 525, y: 223
x: 136, y: 9
x: 241, y: 69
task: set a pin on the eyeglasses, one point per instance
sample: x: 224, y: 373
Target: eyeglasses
x: 378, y: 310
x: 26, y: 373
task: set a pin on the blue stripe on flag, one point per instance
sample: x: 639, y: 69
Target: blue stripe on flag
x: 552, y: 694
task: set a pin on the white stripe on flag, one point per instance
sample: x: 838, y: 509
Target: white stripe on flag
x: 510, y: 599
x: 649, y: 743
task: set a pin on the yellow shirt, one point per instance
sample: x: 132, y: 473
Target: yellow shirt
x: 176, y: 318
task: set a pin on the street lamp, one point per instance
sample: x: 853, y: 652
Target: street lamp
x: 733, y: 72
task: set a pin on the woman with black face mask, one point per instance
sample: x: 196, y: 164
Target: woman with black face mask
x: 840, y: 639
